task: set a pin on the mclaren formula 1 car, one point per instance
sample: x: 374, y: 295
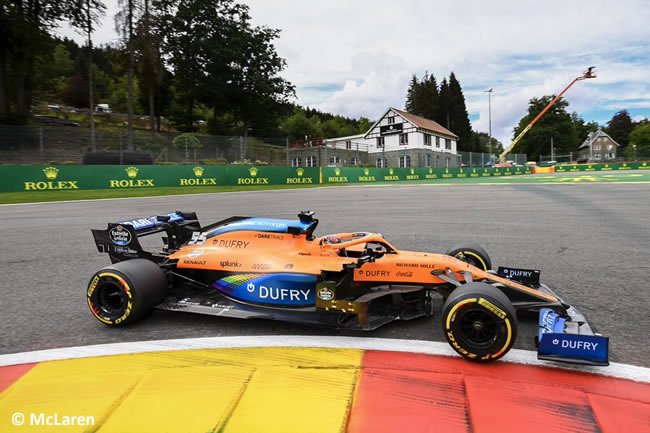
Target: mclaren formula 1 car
x: 277, y: 269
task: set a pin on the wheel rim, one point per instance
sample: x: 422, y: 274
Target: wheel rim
x: 478, y: 328
x: 111, y: 299
x: 471, y: 259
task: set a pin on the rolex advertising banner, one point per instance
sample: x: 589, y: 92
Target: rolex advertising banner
x: 84, y: 177
x: 355, y: 175
x: 603, y: 167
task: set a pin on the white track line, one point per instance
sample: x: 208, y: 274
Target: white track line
x: 624, y: 371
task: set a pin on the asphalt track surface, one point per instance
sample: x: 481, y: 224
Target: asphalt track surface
x: 591, y: 242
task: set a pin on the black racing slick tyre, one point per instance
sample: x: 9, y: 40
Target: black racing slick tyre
x: 123, y: 292
x: 471, y: 253
x: 479, y: 322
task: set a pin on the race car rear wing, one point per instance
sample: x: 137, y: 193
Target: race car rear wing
x: 120, y: 240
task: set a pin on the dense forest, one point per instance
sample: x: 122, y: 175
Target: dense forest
x: 202, y: 65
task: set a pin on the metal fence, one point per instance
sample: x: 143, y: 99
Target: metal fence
x: 68, y: 144
x: 475, y: 159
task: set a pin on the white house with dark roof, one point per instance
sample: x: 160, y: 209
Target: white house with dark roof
x: 399, y: 139
x: 598, y: 146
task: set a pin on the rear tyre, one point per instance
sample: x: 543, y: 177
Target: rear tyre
x: 122, y: 293
x: 479, y: 322
x: 471, y: 253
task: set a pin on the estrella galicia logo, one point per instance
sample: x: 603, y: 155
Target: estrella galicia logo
x: 119, y: 235
x: 325, y: 294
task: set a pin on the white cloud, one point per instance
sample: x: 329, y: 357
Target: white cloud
x: 356, y: 57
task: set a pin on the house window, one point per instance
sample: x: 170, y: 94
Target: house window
x: 597, y: 156
x: 437, y: 160
x: 335, y: 160
x: 427, y: 160
x: 447, y: 144
x: 596, y: 146
x: 380, y: 142
x: 391, y: 120
x: 447, y: 161
x: 348, y: 144
x: 437, y: 141
x: 356, y: 161
x: 404, y: 161
x: 403, y: 139
x: 295, y: 162
x: 381, y: 163
x: 310, y: 161
x: 427, y: 139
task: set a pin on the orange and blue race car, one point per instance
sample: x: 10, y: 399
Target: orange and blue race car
x: 248, y: 267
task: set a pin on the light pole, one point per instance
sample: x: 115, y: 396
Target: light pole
x: 489, y: 92
x: 634, y: 147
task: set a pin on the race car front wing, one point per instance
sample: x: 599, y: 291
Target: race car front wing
x: 570, y: 340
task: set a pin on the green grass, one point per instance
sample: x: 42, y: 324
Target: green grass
x: 41, y: 196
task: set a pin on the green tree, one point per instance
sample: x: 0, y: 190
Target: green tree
x: 87, y: 14
x: 149, y: 64
x: 51, y: 71
x: 619, y: 128
x: 187, y: 141
x: 258, y: 93
x: 458, y: 118
x: 422, y: 97
x: 639, y: 137
x: 364, y: 125
x: 298, y: 126
x: 481, y: 143
x: 443, y: 116
x: 24, y: 34
x: 125, y: 22
x: 556, y: 123
x: 582, y: 128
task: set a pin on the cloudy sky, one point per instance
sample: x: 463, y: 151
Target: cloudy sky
x: 356, y: 57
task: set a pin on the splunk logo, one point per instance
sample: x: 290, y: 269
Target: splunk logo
x: 131, y: 182
x: 51, y: 174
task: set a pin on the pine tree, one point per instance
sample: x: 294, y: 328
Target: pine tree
x: 620, y: 127
x: 444, y: 103
x: 459, y: 119
x: 411, y: 95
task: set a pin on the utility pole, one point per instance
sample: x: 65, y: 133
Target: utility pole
x: 552, y: 159
x: 489, y: 92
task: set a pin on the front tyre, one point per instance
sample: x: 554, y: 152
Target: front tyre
x: 479, y: 322
x: 471, y: 253
x: 123, y: 292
